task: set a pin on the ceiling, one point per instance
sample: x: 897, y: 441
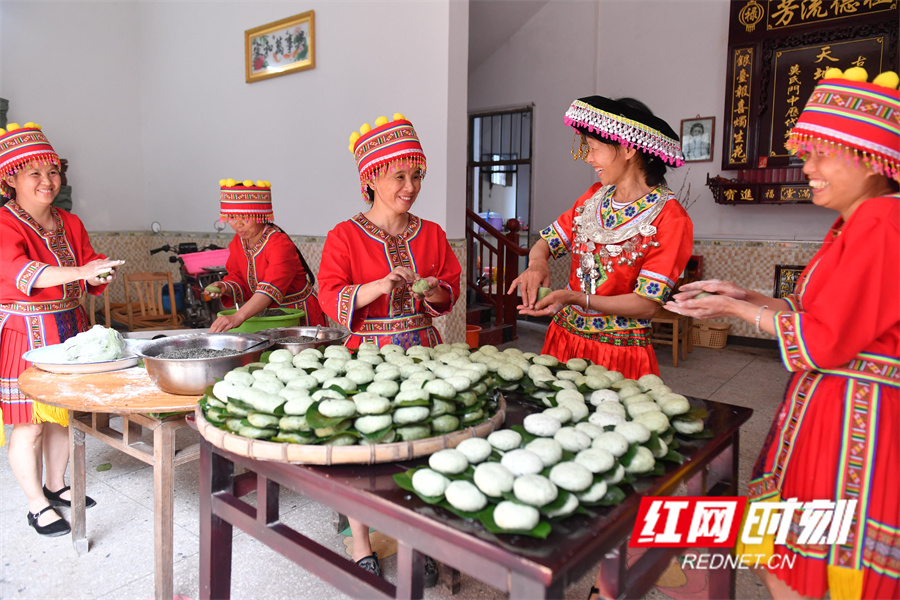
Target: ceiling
x: 493, y: 22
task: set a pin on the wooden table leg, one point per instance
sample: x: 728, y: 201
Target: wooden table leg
x: 216, y: 534
x: 675, y: 340
x: 163, y: 510
x: 410, y: 573
x: 77, y: 482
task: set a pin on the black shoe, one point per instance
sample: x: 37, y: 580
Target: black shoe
x: 370, y: 563
x: 58, y: 527
x: 54, y: 498
x: 431, y: 572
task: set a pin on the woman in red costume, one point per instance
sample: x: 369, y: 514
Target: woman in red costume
x: 629, y: 238
x: 836, y: 435
x: 371, y: 263
x: 48, y: 265
x: 265, y: 268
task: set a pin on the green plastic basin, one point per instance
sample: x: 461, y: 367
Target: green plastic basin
x: 254, y: 324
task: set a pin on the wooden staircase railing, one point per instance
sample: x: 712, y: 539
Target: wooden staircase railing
x: 493, y: 264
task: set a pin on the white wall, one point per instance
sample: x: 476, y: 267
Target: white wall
x: 149, y: 103
x: 671, y: 54
x: 550, y: 61
x: 74, y: 69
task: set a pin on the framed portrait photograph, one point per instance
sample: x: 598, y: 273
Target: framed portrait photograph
x: 281, y: 47
x: 697, y: 137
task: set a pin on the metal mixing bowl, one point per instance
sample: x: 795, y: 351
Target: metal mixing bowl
x: 191, y: 376
x: 325, y: 336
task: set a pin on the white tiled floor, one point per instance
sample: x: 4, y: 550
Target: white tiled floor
x: 120, y: 528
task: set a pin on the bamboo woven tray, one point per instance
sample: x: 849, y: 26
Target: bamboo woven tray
x: 339, y: 455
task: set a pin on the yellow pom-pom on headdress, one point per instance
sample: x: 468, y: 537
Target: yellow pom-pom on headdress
x: 856, y: 74
x: 382, y: 120
x: 12, y: 126
x: 399, y: 117
x: 888, y: 79
x: 366, y: 128
x: 353, y: 137
x: 833, y: 73
x: 230, y: 182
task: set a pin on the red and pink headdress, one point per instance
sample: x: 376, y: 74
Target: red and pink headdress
x: 852, y: 118
x: 390, y: 142
x: 247, y: 200
x: 20, y: 146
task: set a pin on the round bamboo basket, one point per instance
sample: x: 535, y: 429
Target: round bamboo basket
x: 342, y: 455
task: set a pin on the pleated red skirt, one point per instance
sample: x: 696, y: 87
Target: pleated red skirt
x: 812, y: 474
x: 56, y: 328
x: 631, y: 361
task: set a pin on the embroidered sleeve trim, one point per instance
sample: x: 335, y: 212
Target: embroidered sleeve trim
x: 345, y: 308
x: 556, y: 238
x: 237, y: 294
x: 264, y: 287
x: 431, y: 310
x: 794, y: 302
x: 652, y: 288
x: 794, y: 354
x: 657, y: 276
x: 28, y: 275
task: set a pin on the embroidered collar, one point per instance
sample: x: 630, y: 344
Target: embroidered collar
x: 26, y: 218
x: 412, y: 227
x: 601, y: 223
x: 267, y: 232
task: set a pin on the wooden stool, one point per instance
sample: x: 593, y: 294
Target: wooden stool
x: 673, y: 329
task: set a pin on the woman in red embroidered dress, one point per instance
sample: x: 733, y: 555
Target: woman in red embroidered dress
x: 265, y: 268
x: 370, y: 262
x: 836, y: 436
x: 48, y: 265
x: 629, y: 237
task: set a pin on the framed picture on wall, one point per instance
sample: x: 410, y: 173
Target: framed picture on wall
x: 697, y: 136
x: 281, y: 47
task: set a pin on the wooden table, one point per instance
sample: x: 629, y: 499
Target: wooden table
x: 92, y: 399
x: 525, y: 567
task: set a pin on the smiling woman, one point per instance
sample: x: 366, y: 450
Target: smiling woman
x: 839, y: 334
x: 629, y: 237
x: 48, y: 265
x: 385, y: 273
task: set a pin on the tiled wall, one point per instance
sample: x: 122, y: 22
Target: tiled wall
x: 134, y: 248
x: 748, y: 263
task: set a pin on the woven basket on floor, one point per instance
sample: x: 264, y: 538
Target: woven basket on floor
x: 709, y: 334
x: 337, y: 455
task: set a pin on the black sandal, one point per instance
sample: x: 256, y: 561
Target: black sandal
x: 370, y: 563
x: 54, y: 498
x: 58, y: 527
x: 431, y: 572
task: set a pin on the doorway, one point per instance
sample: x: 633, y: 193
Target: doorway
x: 499, y: 166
